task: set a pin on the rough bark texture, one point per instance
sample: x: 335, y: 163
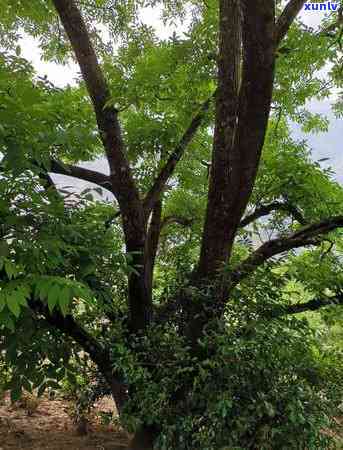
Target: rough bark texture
x: 241, y: 121
x: 123, y: 185
x: 214, y: 251
x: 151, y: 244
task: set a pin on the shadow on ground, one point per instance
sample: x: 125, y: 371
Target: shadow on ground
x: 51, y: 428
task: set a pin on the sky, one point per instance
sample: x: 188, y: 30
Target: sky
x: 323, y: 145
x: 328, y: 144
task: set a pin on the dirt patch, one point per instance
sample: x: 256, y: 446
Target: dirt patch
x: 50, y: 427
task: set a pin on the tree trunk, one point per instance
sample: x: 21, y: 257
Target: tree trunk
x: 246, y: 32
x: 143, y: 439
x: 216, y: 232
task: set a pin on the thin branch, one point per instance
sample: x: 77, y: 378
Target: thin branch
x: 328, y: 250
x: 333, y: 27
x: 183, y: 221
x: 88, y: 175
x: 316, y: 229
x: 286, y: 19
x: 61, y: 168
x: 261, y: 211
x: 154, y: 193
x: 313, y: 305
x: 307, y: 235
x: 152, y: 241
x: 265, y: 210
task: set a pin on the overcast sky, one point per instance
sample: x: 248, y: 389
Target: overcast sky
x: 328, y: 145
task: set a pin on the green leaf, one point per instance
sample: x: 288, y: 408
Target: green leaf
x: 4, y: 249
x: 10, y: 269
x: 64, y: 300
x: 13, y: 304
x: 43, y: 286
x: 2, y: 301
x: 53, y: 297
x: 7, y: 321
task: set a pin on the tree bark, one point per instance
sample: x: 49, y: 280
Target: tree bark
x: 143, y: 439
x: 307, y: 235
x: 286, y: 19
x: 152, y: 241
x: 240, y: 124
x: 167, y: 171
x: 216, y: 232
x: 123, y: 184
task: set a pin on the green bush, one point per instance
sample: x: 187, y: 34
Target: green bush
x: 259, y: 384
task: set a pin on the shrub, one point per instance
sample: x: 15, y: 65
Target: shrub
x: 263, y: 384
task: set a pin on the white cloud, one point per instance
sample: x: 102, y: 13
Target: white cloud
x: 58, y: 74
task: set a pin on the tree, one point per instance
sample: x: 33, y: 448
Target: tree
x: 168, y: 115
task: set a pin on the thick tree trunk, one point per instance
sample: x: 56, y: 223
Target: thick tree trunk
x: 143, y: 439
x: 241, y: 122
x: 216, y: 234
x: 140, y: 300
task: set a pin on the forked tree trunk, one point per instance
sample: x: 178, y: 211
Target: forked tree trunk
x: 248, y: 38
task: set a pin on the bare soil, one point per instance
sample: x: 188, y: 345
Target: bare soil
x: 51, y: 427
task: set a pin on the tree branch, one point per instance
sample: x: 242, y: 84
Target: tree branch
x: 152, y: 240
x: 154, y: 193
x: 286, y: 19
x: 261, y: 211
x: 307, y: 235
x: 123, y: 185
x: 97, y: 87
x: 312, y: 305
x: 214, y: 248
x: 265, y: 210
x: 89, y: 175
x: 183, y: 221
x: 68, y: 326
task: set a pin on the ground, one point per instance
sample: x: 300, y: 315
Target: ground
x: 50, y: 427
